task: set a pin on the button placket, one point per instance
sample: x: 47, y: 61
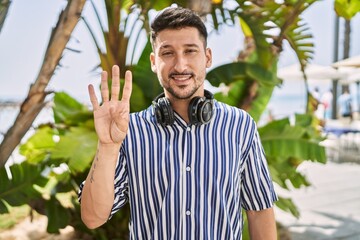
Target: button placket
x: 188, y: 173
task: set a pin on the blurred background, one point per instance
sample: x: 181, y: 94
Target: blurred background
x: 292, y: 69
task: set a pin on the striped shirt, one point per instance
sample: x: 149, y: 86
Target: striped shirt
x: 191, y: 182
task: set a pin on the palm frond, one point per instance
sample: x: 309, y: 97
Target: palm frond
x: 24, y: 179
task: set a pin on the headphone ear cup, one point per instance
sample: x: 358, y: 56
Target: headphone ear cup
x: 206, y: 111
x: 200, y: 109
x: 163, y: 111
x: 193, y: 110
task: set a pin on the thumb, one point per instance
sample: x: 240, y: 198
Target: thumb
x: 116, y: 134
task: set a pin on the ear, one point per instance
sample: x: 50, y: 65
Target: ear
x: 152, y: 61
x: 208, y: 54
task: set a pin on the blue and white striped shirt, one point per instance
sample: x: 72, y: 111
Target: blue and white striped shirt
x: 191, y: 182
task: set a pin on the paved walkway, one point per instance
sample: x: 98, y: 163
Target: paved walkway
x: 330, y: 207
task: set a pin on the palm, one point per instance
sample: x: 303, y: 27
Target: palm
x: 112, y: 117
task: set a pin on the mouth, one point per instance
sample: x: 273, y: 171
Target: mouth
x: 181, y: 77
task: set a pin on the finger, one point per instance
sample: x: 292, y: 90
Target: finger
x: 127, y: 86
x: 93, y: 98
x: 115, y: 87
x: 104, y: 87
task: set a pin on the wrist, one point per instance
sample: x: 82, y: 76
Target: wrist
x: 109, y: 147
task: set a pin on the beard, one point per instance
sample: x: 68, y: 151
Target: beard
x: 181, y: 92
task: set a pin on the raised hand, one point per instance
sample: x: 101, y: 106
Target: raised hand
x: 111, y: 118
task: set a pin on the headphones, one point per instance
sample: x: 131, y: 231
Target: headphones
x: 200, y: 109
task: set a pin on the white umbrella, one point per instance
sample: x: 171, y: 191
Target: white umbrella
x: 312, y: 71
x: 348, y: 62
x: 353, y: 75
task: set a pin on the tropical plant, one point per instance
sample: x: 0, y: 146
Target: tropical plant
x: 58, y: 155
x: 35, y: 100
x: 252, y: 78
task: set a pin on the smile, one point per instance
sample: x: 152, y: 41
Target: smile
x: 181, y: 77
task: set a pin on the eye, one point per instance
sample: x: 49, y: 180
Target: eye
x: 166, y: 53
x: 190, y: 51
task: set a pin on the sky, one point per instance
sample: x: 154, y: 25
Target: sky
x: 25, y: 34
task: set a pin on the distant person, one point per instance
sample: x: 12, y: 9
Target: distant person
x: 316, y: 94
x: 326, y: 100
x: 344, y: 103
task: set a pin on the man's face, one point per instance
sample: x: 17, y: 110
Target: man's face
x: 180, y: 61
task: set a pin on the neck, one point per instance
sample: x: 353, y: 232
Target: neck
x: 180, y: 106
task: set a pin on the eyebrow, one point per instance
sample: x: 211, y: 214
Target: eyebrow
x: 186, y: 45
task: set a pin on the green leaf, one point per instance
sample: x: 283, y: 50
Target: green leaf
x: 58, y: 216
x: 3, y: 207
x: 245, y: 28
x: 78, y: 147
x: 274, y: 127
x: 233, y: 72
x: 279, y: 139
x: 138, y: 99
x: 284, y: 172
x: 67, y: 109
x: 293, y: 29
x: 227, y: 73
x: 310, y: 123
x: 145, y: 80
x: 235, y: 94
x: 288, y: 205
x: 347, y: 8
x: 259, y: 103
x: 20, y: 187
x: 39, y: 145
x: 263, y: 76
x: 294, y: 147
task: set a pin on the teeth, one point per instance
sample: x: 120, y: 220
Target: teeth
x: 181, y: 77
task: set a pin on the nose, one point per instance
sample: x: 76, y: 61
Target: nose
x: 180, y: 64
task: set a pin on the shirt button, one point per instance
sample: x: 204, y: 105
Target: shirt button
x: 188, y: 213
x: 188, y: 169
x: 188, y: 129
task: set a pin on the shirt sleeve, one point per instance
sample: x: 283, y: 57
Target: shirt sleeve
x: 257, y: 189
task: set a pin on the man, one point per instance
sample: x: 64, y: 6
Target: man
x: 345, y: 108
x: 188, y: 164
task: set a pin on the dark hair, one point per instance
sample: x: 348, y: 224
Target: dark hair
x: 177, y: 18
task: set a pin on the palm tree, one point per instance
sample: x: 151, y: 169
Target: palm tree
x: 35, y: 100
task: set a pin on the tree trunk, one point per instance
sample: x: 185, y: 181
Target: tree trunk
x: 251, y: 90
x: 347, y: 35
x: 35, y: 100
x: 4, y: 8
x: 202, y: 7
